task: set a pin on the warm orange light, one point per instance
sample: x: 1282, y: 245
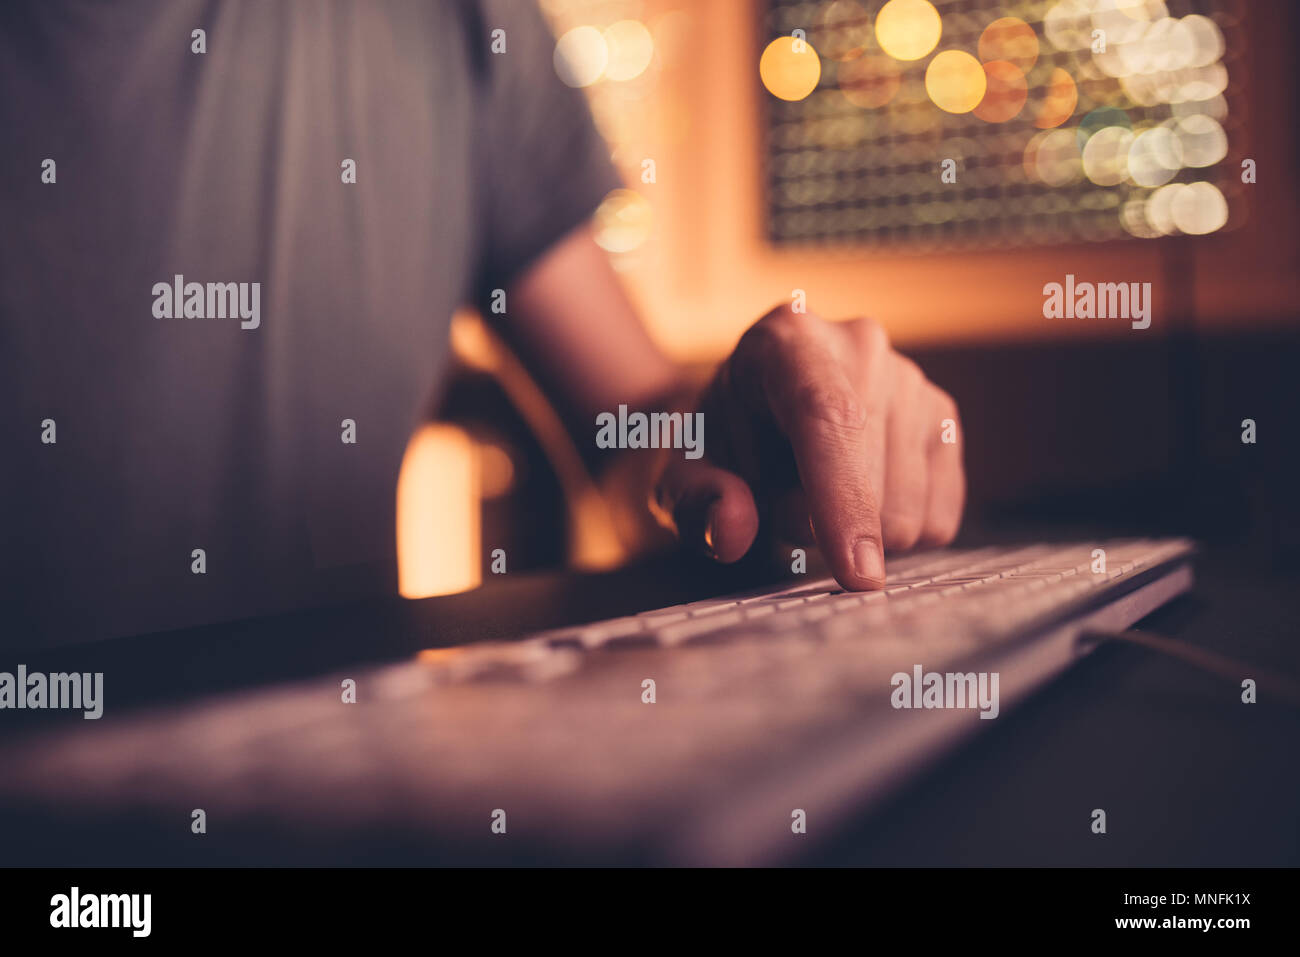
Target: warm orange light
x: 908, y: 29
x: 439, y: 656
x: 1006, y: 93
x: 593, y: 540
x: 1011, y: 39
x: 955, y: 81
x: 1058, y: 102
x: 496, y: 470
x: 790, y: 68
x: 438, y: 514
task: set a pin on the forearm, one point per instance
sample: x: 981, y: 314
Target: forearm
x: 576, y: 330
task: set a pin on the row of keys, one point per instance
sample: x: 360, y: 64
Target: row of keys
x: 984, y: 593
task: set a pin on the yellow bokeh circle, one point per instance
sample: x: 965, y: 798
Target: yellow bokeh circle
x: 908, y: 29
x: 955, y: 81
x: 790, y: 68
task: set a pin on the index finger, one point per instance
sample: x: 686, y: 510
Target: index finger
x: 814, y: 404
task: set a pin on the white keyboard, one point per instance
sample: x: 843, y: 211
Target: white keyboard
x: 953, y: 599
x: 763, y: 703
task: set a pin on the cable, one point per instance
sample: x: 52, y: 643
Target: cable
x: 1276, y: 683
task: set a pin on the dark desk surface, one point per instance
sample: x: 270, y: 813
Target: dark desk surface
x: 1187, y: 774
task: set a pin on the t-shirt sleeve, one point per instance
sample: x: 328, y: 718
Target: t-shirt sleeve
x: 544, y: 166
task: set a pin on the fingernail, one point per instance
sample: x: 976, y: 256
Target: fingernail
x: 869, y: 561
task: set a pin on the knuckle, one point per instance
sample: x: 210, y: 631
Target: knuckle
x: 871, y: 335
x: 784, y: 317
x: 909, y: 373
x: 776, y: 332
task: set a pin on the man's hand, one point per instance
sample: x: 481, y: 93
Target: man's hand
x: 834, y: 436
x: 818, y: 427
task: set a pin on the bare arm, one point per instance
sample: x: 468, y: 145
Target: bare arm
x: 578, y: 332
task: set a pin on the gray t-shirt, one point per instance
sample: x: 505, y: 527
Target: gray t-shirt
x: 228, y: 167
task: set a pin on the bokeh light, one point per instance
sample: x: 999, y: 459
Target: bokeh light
x: 1199, y: 209
x: 1105, y: 155
x: 1199, y: 83
x: 1006, y: 92
x: 1202, y: 140
x: 581, y: 56
x: 789, y: 72
x: 1155, y: 157
x: 630, y: 48
x: 1063, y: 137
x: 1133, y: 217
x: 1052, y: 158
x: 1166, y: 45
x: 1059, y: 101
x: 622, y: 221
x: 1216, y: 107
x: 1160, y: 209
x: 908, y: 29
x: 1121, y: 26
x: 1011, y: 39
x: 1141, y: 9
x: 1068, y: 25
x: 955, y: 81
x: 1207, y: 40
x: 1099, y: 119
